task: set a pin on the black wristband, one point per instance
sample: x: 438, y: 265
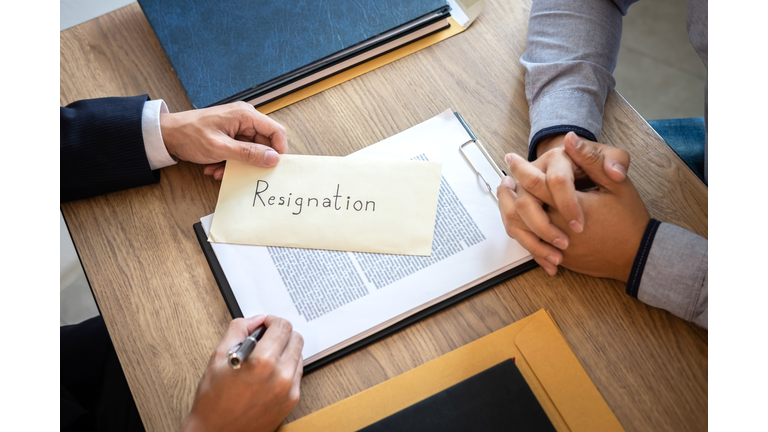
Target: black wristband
x: 633, y: 283
x: 555, y: 130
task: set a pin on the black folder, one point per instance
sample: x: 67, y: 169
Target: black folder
x: 234, y: 308
x: 496, y: 399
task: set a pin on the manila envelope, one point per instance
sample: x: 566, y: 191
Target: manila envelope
x: 374, y: 63
x: 542, y: 355
x: 333, y: 203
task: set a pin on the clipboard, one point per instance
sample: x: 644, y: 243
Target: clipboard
x: 236, y: 312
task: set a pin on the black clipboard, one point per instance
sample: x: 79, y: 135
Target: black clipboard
x: 234, y: 307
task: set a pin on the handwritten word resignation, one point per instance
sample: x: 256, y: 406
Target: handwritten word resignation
x: 300, y: 201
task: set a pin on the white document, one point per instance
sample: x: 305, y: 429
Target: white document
x: 334, y: 299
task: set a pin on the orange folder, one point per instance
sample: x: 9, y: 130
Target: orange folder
x: 358, y: 70
x: 542, y: 355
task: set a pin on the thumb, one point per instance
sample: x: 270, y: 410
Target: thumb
x: 259, y: 155
x: 603, y: 164
x: 238, y: 330
x: 616, y: 163
x: 506, y: 195
x: 507, y: 185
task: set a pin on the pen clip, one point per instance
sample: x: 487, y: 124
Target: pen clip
x: 234, y: 348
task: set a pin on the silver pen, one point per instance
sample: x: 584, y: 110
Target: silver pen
x: 238, y: 353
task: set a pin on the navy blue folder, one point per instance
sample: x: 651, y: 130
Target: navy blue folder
x: 229, y: 50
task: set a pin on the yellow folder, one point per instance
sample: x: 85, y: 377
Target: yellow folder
x: 358, y: 70
x: 542, y: 355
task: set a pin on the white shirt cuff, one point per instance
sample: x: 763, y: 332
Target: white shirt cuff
x: 157, y: 154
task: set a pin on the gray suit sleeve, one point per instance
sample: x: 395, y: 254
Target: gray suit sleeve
x: 569, y: 61
x: 671, y: 272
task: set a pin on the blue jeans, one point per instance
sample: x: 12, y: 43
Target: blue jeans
x: 687, y: 137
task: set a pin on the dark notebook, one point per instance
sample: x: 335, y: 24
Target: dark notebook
x: 253, y: 50
x: 497, y: 399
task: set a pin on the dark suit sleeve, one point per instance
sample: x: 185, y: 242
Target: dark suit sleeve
x: 102, y: 147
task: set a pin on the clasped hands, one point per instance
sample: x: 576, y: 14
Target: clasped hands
x: 575, y: 207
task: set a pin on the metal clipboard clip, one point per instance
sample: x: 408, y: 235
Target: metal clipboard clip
x: 487, y: 157
x: 485, y: 154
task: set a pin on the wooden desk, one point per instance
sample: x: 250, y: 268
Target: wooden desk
x: 155, y: 290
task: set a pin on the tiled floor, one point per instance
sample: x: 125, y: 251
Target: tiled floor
x: 75, y: 299
x: 658, y: 73
x: 74, y: 12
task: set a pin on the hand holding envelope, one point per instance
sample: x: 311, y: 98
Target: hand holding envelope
x: 334, y: 203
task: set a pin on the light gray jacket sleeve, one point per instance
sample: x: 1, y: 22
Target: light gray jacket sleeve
x: 569, y: 61
x: 570, y: 57
x: 671, y: 271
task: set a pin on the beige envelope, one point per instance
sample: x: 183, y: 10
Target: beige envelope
x: 333, y: 203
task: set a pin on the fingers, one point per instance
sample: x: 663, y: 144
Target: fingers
x: 295, y: 391
x: 540, y: 250
x: 210, y: 169
x: 238, y: 330
x: 261, y: 139
x: 537, y: 220
x: 506, y: 195
x: 292, y: 351
x: 545, y: 254
x: 548, y: 267
x: 219, y: 173
x: 528, y: 203
x: 257, y: 140
x: 294, y: 363
x: 508, y: 205
x: 215, y: 170
x: 259, y: 155
x: 254, y: 123
x: 616, y: 163
x: 270, y: 348
x: 279, y: 355
x: 591, y: 158
x: 561, y: 183
x: 530, y: 177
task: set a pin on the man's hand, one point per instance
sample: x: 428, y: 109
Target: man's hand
x: 615, y: 213
x: 233, y: 131
x: 565, y: 177
x: 524, y: 214
x: 259, y: 395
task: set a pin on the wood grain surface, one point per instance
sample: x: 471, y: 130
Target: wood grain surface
x: 163, y: 308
